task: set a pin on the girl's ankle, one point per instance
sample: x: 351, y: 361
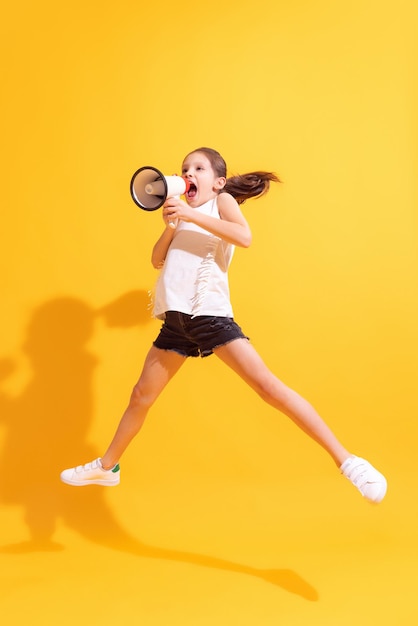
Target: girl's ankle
x: 105, y: 467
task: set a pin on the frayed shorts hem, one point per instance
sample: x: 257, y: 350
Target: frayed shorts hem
x: 201, y: 354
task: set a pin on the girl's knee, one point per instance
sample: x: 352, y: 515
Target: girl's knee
x: 273, y: 391
x: 141, y: 397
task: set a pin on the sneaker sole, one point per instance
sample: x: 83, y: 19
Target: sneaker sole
x: 84, y: 483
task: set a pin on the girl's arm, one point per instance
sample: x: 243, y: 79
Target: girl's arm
x: 232, y: 227
x: 159, y: 251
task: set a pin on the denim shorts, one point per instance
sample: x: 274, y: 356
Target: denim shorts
x: 196, y: 336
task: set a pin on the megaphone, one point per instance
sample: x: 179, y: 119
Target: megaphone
x: 150, y: 188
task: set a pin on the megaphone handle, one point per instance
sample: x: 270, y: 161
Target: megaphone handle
x: 173, y: 223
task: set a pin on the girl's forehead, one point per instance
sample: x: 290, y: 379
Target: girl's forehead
x: 196, y: 158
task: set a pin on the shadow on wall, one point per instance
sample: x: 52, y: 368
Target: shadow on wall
x: 48, y: 425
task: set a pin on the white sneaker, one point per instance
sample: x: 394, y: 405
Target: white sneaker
x: 91, y: 474
x: 371, y: 483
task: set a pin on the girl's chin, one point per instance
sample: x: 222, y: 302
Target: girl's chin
x: 193, y: 201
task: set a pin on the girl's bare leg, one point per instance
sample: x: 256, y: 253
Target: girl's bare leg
x: 241, y: 356
x: 159, y: 368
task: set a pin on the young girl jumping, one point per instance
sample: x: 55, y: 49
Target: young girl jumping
x: 192, y: 299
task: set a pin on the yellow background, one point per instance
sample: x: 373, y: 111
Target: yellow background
x: 226, y: 513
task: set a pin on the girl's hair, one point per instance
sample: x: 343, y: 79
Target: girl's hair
x: 241, y: 186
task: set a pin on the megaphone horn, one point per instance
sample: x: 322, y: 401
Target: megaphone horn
x: 150, y: 188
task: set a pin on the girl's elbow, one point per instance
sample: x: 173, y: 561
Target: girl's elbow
x: 157, y: 263
x: 247, y: 240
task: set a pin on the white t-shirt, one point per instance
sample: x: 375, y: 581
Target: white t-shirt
x: 194, y: 278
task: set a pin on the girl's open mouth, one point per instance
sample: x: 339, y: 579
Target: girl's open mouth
x: 191, y: 191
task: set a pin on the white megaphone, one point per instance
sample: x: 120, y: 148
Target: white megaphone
x: 150, y: 188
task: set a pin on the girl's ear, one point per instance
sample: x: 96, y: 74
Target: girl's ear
x: 220, y: 182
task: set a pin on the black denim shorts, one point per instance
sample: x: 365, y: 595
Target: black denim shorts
x: 196, y: 336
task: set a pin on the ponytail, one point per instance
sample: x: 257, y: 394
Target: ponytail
x: 252, y: 185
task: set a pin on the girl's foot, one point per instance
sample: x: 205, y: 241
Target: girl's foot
x: 371, y: 483
x: 91, y: 474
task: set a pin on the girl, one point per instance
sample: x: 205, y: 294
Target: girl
x: 192, y: 299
